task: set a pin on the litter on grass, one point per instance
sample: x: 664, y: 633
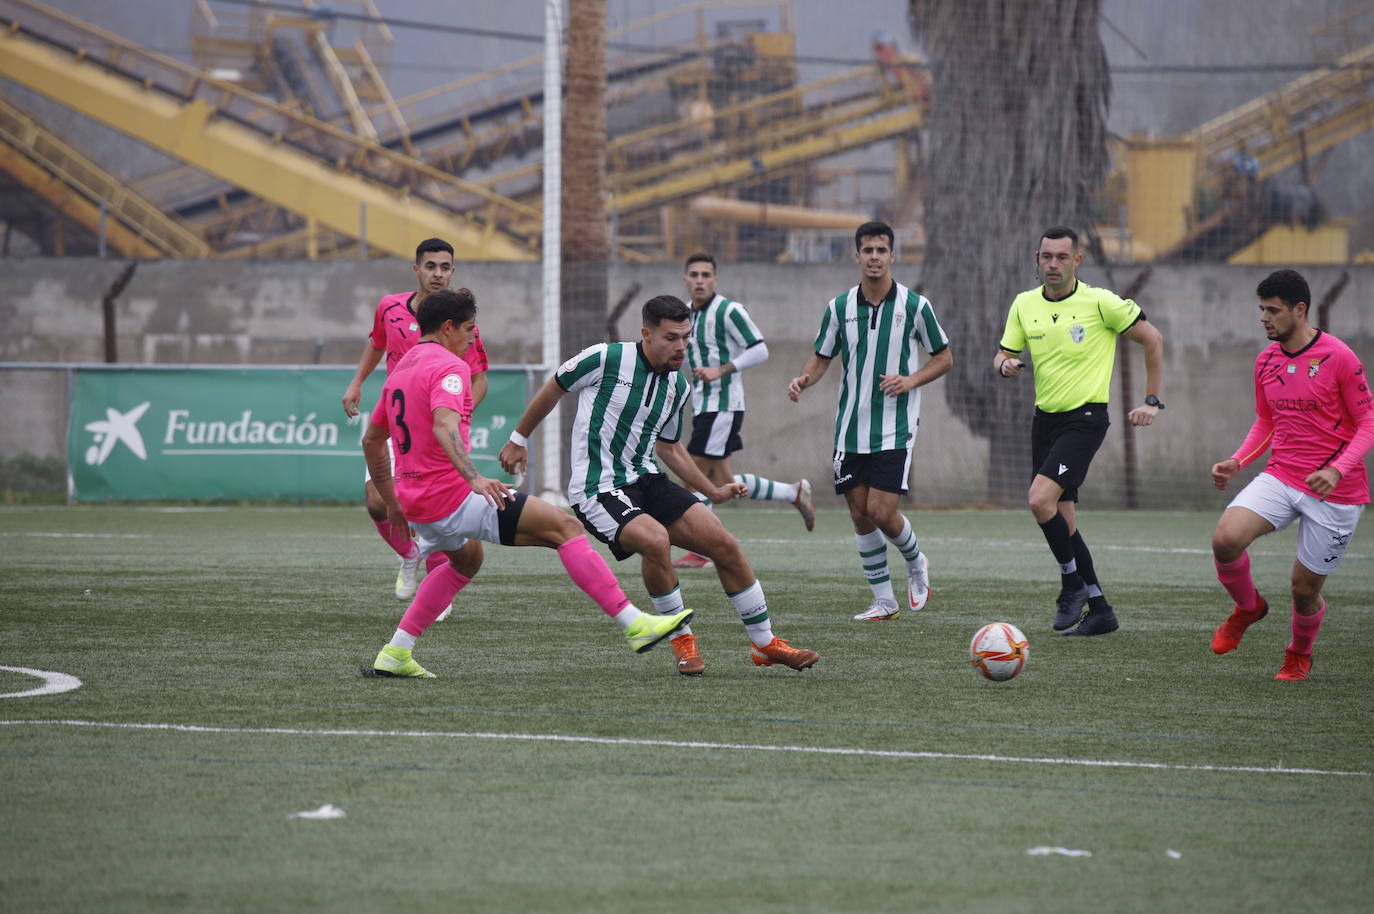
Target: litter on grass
x: 327, y: 811
x: 1043, y: 851
x: 1173, y: 853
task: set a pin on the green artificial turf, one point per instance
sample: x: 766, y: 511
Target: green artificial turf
x: 890, y: 777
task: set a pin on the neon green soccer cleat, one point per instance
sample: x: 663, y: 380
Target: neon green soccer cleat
x: 649, y: 629
x: 396, y: 661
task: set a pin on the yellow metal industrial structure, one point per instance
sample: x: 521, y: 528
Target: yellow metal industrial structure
x: 1186, y: 193
x: 263, y: 177
x: 328, y: 176
x: 76, y: 186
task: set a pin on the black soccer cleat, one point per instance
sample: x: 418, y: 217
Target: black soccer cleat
x: 1070, y: 605
x: 1096, y: 622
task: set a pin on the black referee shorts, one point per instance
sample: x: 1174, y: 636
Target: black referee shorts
x: 1063, y: 444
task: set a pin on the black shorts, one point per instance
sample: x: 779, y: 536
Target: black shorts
x: 1063, y: 444
x: 886, y: 471
x: 716, y: 435
x: 655, y: 495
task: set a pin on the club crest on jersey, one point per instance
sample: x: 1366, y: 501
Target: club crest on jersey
x: 452, y: 383
x: 1076, y: 333
x: 1312, y: 366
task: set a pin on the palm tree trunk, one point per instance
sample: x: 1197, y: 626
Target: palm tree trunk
x: 1017, y: 143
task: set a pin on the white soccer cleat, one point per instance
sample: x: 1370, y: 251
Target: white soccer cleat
x: 448, y: 611
x: 918, y: 583
x: 879, y: 612
x: 405, y: 578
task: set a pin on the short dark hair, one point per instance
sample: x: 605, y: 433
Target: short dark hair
x: 1055, y: 232
x: 446, y: 305
x: 430, y: 245
x: 699, y: 257
x: 869, y: 229
x: 665, y: 308
x: 1287, y: 286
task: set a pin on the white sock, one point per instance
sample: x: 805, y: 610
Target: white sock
x: 626, y: 616
x: 402, y: 639
x: 873, y: 556
x: 906, y: 543
x: 753, y: 612
x: 762, y: 489
x: 670, y: 604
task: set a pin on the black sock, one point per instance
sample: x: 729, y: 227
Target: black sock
x: 1056, y: 531
x: 1084, y: 558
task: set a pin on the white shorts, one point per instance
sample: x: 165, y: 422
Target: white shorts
x: 367, y: 471
x: 1324, y: 529
x: 475, y: 519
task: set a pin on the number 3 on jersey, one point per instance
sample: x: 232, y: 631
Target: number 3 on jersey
x: 398, y: 420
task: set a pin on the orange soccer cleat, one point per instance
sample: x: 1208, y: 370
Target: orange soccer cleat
x: 689, y: 662
x: 778, y: 651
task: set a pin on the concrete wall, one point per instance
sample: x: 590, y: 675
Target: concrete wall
x: 220, y: 312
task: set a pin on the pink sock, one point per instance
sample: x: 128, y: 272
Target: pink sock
x: 434, y: 560
x: 1235, y: 577
x: 400, y: 542
x: 590, y: 572
x: 435, y: 594
x: 1305, y: 630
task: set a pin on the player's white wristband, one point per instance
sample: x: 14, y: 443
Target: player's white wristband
x: 518, y: 439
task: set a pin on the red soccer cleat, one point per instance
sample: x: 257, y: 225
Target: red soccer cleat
x: 692, y: 560
x: 1295, y: 666
x: 1228, y: 634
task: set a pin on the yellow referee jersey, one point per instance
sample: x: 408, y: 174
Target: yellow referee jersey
x: 1072, y: 342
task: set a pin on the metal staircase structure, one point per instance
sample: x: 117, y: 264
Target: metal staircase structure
x: 76, y: 186
x: 333, y: 157
x: 1287, y: 127
x: 328, y: 177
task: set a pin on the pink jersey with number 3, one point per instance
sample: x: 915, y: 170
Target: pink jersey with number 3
x: 1314, y: 409
x: 426, y: 378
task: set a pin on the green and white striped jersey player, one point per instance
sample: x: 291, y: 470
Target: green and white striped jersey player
x: 630, y: 398
x: 876, y: 328
x: 725, y: 341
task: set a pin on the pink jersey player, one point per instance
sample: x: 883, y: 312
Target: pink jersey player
x: 424, y: 411
x: 426, y: 378
x: 395, y: 330
x: 1313, y: 409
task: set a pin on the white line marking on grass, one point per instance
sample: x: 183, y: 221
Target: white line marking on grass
x: 53, y: 683
x: 80, y: 536
x: 691, y: 744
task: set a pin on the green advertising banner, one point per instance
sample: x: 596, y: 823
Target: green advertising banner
x: 242, y: 432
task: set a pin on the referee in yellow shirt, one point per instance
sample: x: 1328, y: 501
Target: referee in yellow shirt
x: 1071, y: 330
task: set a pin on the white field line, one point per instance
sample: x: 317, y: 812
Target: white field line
x: 53, y: 683
x: 694, y: 744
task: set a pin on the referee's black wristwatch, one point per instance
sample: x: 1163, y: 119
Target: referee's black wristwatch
x: 1154, y: 401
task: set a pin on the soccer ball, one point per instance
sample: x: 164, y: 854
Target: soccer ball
x: 999, y: 651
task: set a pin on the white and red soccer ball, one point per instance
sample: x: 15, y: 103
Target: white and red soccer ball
x: 999, y: 651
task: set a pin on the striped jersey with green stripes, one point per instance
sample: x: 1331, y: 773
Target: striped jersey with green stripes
x: 720, y: 332
x: 873, y: 341
x: 623, y: 408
